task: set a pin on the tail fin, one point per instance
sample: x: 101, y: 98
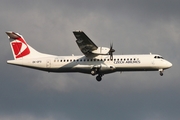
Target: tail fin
x: 20, y: 48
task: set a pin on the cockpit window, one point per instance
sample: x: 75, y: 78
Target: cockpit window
x: 158, y: 57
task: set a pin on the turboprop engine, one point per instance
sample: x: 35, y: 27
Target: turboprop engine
x: 101, y: 51
x: 105, y: 51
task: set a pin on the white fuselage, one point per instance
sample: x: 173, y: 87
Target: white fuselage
x: 96, y: 60
x: 83, y: 64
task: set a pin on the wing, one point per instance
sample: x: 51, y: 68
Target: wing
x: 85, y: 44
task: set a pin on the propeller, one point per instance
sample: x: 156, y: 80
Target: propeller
x: 111, y: 51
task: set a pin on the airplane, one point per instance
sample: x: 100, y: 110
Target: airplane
x: 95, y: 61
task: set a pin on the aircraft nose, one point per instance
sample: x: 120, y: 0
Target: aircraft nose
x: 169, y: 64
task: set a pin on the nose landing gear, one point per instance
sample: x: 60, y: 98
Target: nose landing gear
x: 161, y: 72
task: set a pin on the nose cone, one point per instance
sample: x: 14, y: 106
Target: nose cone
x: 169, y: 64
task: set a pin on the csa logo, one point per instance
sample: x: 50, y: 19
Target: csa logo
x: 20, y: 48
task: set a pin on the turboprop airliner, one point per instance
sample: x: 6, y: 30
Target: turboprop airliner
x: 95, y: 61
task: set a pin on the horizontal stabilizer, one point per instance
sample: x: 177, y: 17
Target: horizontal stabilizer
x: 12, y: 35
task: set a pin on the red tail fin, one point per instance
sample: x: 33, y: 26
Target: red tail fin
x: 18, y: 45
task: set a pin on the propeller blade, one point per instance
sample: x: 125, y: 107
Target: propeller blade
x: 111, y: 51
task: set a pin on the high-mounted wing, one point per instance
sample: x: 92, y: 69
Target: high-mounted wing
x: 85, y: 44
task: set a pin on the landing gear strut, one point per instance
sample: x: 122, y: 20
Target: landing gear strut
x: 99, y: 78
x: 95, y: 71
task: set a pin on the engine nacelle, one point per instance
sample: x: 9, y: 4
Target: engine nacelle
x: 101, y: 51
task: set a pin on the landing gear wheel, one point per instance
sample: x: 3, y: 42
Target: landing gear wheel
x: 161, y: 73
x: 99, y: 78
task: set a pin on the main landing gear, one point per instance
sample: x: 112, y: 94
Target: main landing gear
x: 95, y: 71
x: 99, y: 77
x: 161, y: 72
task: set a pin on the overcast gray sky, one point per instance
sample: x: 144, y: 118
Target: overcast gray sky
x: 134, y: 26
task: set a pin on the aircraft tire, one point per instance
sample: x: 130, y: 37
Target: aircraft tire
x: 161, y: 73
x: 98, y: 78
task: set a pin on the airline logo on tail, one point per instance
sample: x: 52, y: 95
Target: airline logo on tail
x: 19, y: 46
